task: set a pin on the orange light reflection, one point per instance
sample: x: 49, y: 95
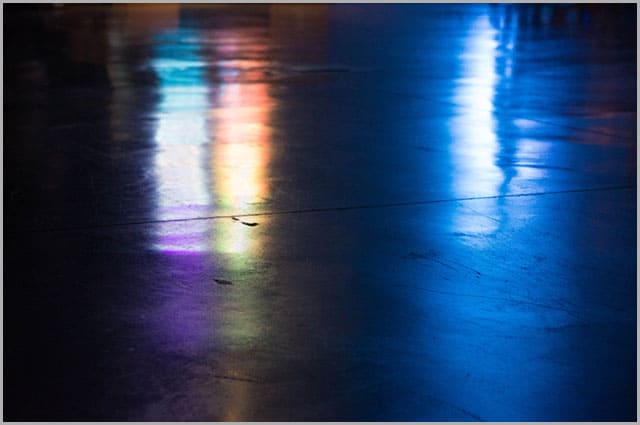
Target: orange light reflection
x: 241, y: 153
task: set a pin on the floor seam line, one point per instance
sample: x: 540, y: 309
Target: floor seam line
x: 326, y: 209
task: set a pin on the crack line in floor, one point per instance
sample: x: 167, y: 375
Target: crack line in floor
x: 318, y: 210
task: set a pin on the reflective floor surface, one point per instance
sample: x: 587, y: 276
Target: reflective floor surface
x: 320, y: 212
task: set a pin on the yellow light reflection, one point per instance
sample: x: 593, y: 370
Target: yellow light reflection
x: 241, y: 132
x: 240, y: 156
x: 243, y: 144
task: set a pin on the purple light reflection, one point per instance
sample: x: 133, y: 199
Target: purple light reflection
x: 182, y: 317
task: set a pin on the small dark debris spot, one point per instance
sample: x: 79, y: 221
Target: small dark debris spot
x: 246, y: 223
x: 222, y: 281
x: 235, y: 219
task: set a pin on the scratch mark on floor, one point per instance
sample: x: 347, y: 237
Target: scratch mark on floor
x: 233, y: 378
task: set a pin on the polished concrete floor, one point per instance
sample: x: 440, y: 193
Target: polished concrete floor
x: 320, y: 212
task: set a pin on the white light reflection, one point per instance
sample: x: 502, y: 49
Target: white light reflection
x: 475, y: 142
x: 181, y: 136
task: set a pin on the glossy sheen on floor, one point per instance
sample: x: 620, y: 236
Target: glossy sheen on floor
x: 320, y: 212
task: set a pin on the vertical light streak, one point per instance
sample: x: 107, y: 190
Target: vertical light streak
x: 241, y: 128
x: 475, y: 144
x: 181, y: 137
x: 241, y: 155
x: 240, y: 116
